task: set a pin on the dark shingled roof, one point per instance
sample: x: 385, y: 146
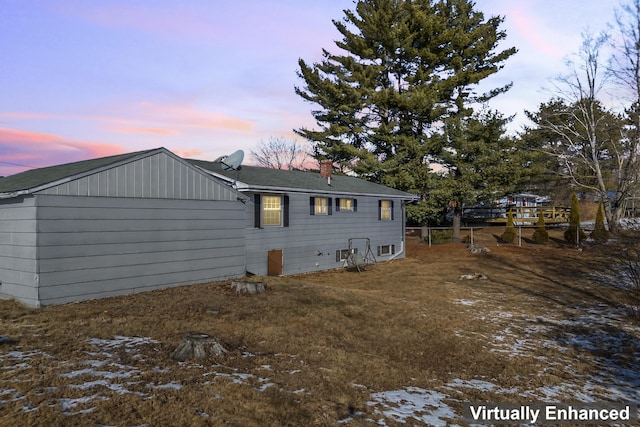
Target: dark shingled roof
x: 37, y: 177
x: 254, y: 177
x: 259, y: 178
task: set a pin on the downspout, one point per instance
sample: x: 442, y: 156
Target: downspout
x: 404, y: 231
x: 36, y: 202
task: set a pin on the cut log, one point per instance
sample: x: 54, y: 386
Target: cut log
x: 250, y: 288
x: 197, y: 345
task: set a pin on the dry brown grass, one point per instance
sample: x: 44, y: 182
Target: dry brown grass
x: 313, y: 348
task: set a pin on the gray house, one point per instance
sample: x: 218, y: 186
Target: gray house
x: 150, y: 219
x: 116, y: 225
x: 298, y: 222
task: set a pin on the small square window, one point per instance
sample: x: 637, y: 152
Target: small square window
x: 342, y: 254
x: 385, y: 250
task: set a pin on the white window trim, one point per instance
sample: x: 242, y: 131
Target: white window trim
x: 264, y: 209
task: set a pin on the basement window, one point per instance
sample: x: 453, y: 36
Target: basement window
x: 342, y: 254
x: 386, y: 250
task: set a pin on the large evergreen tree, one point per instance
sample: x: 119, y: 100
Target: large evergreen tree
x: 480, y: 163
x: 405, y: 69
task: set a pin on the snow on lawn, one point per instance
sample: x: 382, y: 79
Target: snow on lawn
x: 601, y: 336
x: 414, y: 404
x: 598, y: 335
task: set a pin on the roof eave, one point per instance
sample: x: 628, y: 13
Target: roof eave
x: 243, y: 186
x: 14, y: 194
x: 275, y: 189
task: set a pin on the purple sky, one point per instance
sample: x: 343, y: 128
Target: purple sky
x: 82, y: 79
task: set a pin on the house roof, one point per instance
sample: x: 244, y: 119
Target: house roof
x: 248, y: 178
x: 38, y: 177
x: 253, y: 178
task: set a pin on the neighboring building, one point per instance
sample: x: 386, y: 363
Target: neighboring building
x: 523, y: 200
x: 149, y: 220
x: 523, y: 205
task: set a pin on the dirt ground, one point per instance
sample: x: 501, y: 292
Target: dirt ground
x: 405, y: 342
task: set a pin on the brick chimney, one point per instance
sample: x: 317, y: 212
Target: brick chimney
x: 326, y: 168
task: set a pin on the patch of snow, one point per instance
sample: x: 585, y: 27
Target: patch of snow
x: 67, y: 403
x: 117, y: 388
x: 413, y: 403
x: 265, y: 386
x: 103, y: 374
x: 120, y: 341
x: 465, y: 302
x: 172, y: 385
x: 474, y: 384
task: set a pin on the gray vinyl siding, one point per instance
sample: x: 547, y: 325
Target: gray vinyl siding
x: 311, y: 241
x: 91, y: 247
x: 159, y: 176
x: 18, y: 268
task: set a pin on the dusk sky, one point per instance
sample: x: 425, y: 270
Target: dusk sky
x: 83, y: 79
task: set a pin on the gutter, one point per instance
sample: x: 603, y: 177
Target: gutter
x: 14, y: 194
x: 242, y: 186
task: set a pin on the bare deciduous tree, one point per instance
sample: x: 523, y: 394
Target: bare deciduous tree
x: 280, y: 153
x: 589, y: 140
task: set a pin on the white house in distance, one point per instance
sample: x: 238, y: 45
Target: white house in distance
x: 150, y: 219
x: 523, y: 200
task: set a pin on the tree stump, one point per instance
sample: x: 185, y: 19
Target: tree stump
x: 250, y: 288
x: 197, y: 345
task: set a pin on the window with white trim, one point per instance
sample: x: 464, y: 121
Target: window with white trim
x: 346, y: 205
x: 385, y: 250
x: 320, y: 205
x: 385, y: 212
x: 342, y: 254
x: 271, y: 210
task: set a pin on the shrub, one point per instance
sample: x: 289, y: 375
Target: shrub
x: 509, y: 234
x: 571, y: 234
x: 624, y: 269
x: 599, y: 233
x: 441, y: 236
x: 541, y: 235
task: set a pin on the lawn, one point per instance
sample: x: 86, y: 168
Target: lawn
x: 405, y: 342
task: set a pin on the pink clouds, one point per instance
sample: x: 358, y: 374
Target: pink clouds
x: 132, y: 129
x: 184, y: 115
x: 525, y: 23
x: 190, y: 153
x: 21, y: 150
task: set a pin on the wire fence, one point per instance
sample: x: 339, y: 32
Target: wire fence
x: 487, y: 235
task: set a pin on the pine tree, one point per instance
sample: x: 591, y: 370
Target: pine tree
x: 599, y: 233
x: 509, y: 234
x: 541, y: 235
x: 571, y: 234
x: 407, y: 67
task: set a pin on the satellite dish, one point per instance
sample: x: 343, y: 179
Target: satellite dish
x: 233, y: 160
